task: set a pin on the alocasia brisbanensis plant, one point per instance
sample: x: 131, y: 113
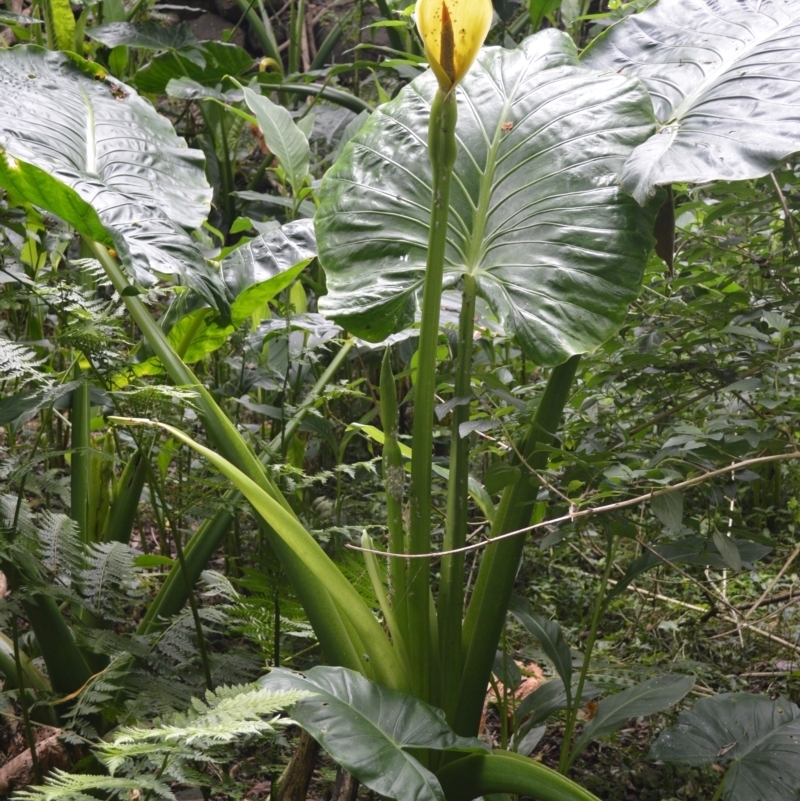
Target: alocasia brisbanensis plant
x: 537, y: 224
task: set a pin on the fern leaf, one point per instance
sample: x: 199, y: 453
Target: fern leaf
x: 19, y: 362
x: 110, y: 579
x: 62, y: 786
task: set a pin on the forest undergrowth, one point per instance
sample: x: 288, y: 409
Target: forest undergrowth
x: 159, y: 351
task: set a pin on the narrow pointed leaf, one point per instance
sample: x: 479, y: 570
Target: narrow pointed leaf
x: 549, y: 634
x: 554, y: 244
x: 90, y: 150
x: 643, y: 699
x: 723, y: 78
x: 369, y: 729
x: 761, y: 737
x: 304, y: 560
x: 282, y: 136
x: 692, y: 551
x: 551, y: 697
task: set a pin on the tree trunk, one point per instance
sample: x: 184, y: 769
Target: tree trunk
x: 295, y: 779
x: 346, y: 787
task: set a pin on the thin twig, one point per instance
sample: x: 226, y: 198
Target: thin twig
x: 576, y: 514
x: 667, y: 413
x: 786, y: 212
x: 772, y: 583
x: 695, y: 608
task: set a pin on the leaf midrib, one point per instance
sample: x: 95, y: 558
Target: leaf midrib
x: 755, y: 743
x: 91, y: 135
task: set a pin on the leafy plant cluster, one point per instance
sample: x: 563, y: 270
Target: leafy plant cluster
x: 533, y: 360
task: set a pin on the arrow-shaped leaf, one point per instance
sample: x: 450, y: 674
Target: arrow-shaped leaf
x: 643, y: 699
x: 761, y: 737
x: 369, y: 729
x: 723, y: 78
x: 536, y: 212
x: 91, y: 151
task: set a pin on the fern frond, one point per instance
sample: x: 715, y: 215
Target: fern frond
x: 220, y: 585
x: 61, y: 547
x: 19, y: 362
x: 98, y: 695
x: 25, y: 524
x: 231, y: 714
x: 105, y: 641
x: 139, y: 399
x: 154, y: 696
x: 63, y: 786
x: 53, y: 483
x: 92, y: 269
x: 110, y: 579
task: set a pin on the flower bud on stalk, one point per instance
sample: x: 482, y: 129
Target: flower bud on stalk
x: 453, y: 32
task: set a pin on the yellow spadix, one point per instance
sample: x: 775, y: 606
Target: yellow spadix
x: 453, y: 32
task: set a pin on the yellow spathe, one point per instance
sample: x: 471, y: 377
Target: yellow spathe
x: 453, y: 32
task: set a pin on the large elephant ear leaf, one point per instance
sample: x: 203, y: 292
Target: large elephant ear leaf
x: 757, y: 737
x: 371, y: 730
x: 723, y: 79
x: 536, y: 215
x: 91, y: 151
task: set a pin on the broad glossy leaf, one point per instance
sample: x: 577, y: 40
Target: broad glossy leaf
x: 536, y: 215
x: 19, y: 408
x: 147, y: 35
x: 643, y: 699
x: 760, y: 736
x: 723, y: 78
x: 269, y: 255
x: 90, y: 150
x: 254, y: 274
x: 10, y: 18
x: 207, y: 64
x: 368, y: 729
x: 187, y: 89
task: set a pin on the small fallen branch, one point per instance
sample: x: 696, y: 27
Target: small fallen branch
x: 51, y: 753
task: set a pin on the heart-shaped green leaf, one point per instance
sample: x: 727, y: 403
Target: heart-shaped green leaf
x: 368, y: 729
x: 536, y: 215
x: 207, y: 64
x: 261, y: 268
x: 90, y: 150
x: 761, y: 737
x: 723, y: 78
